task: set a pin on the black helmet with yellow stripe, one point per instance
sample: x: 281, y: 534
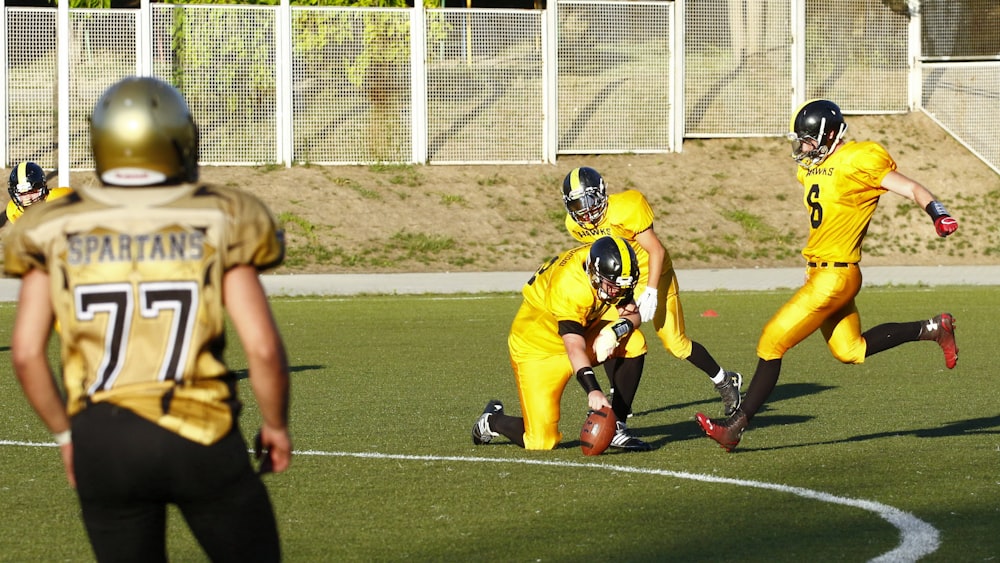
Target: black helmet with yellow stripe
x: 613, y: 269
x: 586, y: 196
x: 27, y: 184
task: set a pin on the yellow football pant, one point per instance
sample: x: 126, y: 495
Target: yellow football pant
x: 541, y: 382
x: 825, y: 302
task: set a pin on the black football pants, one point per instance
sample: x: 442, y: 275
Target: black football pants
x: 128, y: 470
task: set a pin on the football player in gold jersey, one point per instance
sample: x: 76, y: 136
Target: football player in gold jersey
x: 140, y: 271
x: 843, y: 181
x: 577, y: 312
x: 592, y: 213
x: 27, y: 186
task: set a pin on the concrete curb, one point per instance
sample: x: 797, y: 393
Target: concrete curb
x: 689, y: 280
x: 758, y: 279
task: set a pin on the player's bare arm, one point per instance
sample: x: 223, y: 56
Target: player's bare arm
x: 29, y: 341
x: 576, y: 349
x: 900, y: 184
x: 652, y: 245
x: 267, y: 362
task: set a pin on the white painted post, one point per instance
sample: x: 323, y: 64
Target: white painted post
x: 62, y: 92
x: 418, y: 80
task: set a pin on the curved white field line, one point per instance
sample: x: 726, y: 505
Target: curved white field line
x: 917, y: 538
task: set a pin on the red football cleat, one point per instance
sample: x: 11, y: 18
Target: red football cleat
x: 942, y: 329
x: 727, y: 433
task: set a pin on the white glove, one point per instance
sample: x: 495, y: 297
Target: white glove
x: 605, y: 344
x: 647, y: 304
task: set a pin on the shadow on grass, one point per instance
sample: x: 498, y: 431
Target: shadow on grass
x: 240, y: 374
x: 658, y: 436
x: 986, y: 425
x: 780, y: 393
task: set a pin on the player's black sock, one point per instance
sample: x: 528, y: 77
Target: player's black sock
x: 624, y: 374
x: 763, y: 382
x: 510, y: 426
x: 890, y: 335
x: 701, y: 359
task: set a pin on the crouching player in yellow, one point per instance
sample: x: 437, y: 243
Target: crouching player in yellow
x: 27, y: 186
x: 577, y: 312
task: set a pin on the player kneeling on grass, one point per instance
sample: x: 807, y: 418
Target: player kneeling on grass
x: 577, y: 312
x: 843, y: 181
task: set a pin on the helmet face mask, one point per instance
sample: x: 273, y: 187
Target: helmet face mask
x: 142, y: 134
x: 816, y: 129
x: 613, y: 269
x: 27, y: 185
x: 585, y: 196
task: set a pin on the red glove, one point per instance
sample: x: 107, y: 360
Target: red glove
x: 945, y: 225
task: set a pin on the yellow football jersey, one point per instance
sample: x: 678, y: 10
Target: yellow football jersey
x: 559, y: 291
x: 841, y: 195
x: 14, y: 212
x: 136, y: 281
x: 628, y: 215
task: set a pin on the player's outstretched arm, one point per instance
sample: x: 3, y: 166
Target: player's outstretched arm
x: 267, y: 361
x: 900, y: 184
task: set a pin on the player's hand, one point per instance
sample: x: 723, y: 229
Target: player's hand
x: 596, y: 400
x: 66, y: 453
x: 647, y: 304
x: 605, y: 344
x: 945, y: 225
x: 273, y: 447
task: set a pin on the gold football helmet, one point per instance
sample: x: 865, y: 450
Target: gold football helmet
x: 142, y: 134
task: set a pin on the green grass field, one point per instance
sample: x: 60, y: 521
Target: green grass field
x: 894, y: 458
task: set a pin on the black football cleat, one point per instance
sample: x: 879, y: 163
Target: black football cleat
x: 623, y: 440
x: 729, y: 390
x: 481, y: 432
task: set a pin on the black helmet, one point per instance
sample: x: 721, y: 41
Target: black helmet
x: 819, y: 123
x: 27, y: 178
x: 613, y: 269
x: 585, y: 196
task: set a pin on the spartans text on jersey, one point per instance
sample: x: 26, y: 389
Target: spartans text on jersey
x: 85, y: 249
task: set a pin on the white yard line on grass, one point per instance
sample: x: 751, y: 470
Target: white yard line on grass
x: 917, y: 538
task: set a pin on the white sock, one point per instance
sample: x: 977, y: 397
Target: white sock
x: 719, y: 377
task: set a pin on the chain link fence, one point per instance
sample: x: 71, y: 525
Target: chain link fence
x: 450, y: 85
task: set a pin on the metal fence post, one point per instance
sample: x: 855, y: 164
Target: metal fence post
x: 283, y: 55
x: 418, y: 81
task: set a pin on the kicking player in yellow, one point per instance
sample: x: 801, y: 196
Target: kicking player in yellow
x: 577, y: 312
x: 592, y: 213
x: 843, y: 181
x: 27, y: 186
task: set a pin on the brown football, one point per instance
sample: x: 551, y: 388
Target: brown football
x: 597, y: 431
